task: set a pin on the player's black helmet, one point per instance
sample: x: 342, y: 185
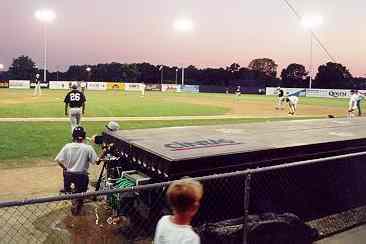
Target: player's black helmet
x: 78, y: 133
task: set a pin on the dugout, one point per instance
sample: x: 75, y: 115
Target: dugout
x: 311, y: 191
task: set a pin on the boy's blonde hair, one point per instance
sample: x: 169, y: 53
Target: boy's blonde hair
x: 184, y: 195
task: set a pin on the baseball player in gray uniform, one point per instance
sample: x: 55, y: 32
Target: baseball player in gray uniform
x: 75, y: 99
x: 75, y: 158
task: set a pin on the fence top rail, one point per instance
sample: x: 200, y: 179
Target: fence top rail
x: 5, y: 204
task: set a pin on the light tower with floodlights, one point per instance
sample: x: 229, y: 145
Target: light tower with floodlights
x: 310, y: 23
x: 45, y: 16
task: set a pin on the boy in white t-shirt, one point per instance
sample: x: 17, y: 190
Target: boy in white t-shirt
x: 184, y: 198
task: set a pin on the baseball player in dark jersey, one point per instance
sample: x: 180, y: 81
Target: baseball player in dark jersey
x: 75, y: 158
x: 75, y: 99
x: 280, y: 98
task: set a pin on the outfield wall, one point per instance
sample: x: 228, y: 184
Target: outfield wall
x: 102, y: 86
x: 302, y: 92
x: 19, y: 84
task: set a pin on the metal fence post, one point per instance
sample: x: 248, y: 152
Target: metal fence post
x: 246, y: 206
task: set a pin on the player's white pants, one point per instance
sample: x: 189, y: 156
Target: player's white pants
x: 280, y: 101
x: 37, y: 90
x: 292, y: 107
x: 75, y: 116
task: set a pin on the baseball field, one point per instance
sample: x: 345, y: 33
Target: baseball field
x: 34, y: 129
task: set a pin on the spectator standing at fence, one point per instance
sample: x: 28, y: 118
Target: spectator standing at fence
x: 75, y: 99
x: 75, y: 158
x: 184, y: 197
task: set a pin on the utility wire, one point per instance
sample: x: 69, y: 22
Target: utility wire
x: 313, y: 34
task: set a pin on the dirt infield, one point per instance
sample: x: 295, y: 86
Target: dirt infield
x: 21, y: 183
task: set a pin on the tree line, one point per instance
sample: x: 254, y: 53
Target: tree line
x: 329, y: 75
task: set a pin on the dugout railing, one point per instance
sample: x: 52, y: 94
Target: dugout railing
x: 326, y: 194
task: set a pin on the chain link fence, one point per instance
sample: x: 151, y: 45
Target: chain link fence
x: 239, y: 207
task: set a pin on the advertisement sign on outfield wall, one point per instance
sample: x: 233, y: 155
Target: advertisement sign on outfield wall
x: 337, y: 93
x: 60, y: 85
x: 4, y: 84
x: 273, y: 91
x: 153, y: 87
x: 132, y: 86
x: 19, y: 84
x: 97, y: 86
x: 43, y: 85
x: 341, y: 93
x: 190, y: 88
x: 168, y: 87
x: 115, y: 86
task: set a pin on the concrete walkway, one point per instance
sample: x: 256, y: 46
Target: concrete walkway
x: 161, y: 118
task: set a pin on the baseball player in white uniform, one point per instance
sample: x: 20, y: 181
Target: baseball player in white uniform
x: 37, y: 88
x: 292, y: 104
x: 280, y: 98
x: 142, y: 88
x: 352, y: 104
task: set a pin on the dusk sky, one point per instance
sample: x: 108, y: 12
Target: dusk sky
x: 126, y: 31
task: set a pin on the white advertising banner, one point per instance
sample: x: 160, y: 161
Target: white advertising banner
x: 96, y: 86
x: 19, y: 84
x: 168, y: 87
x: 60, y: 85
x: 273, y: 91
x: 132, y: 86
x: 341, y: 93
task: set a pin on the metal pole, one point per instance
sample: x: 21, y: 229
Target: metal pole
x: 161, y: 76
x: 182, y: 76
x: 311, y: 60
x: 246, y: 206
x: 176, y: 76
x: 45, y: 52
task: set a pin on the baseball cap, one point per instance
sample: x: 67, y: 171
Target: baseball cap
x: 74, y: 85
x: 112, y: 126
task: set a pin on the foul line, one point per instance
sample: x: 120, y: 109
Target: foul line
x: 162, y: 118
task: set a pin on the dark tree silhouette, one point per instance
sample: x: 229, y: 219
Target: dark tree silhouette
x: 333, y: 75
x: 22, y: 68
x: 294, y: 76
x: 266, y: 66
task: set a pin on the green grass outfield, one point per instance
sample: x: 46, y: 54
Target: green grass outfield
x: 20, y: 103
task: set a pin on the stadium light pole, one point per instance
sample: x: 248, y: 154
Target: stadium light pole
x: 310, y: 23
x: 161, y: 74
x: 88, y: 69
x: 182, y: 75
x: 45, y: 16
x: 176, y: 76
